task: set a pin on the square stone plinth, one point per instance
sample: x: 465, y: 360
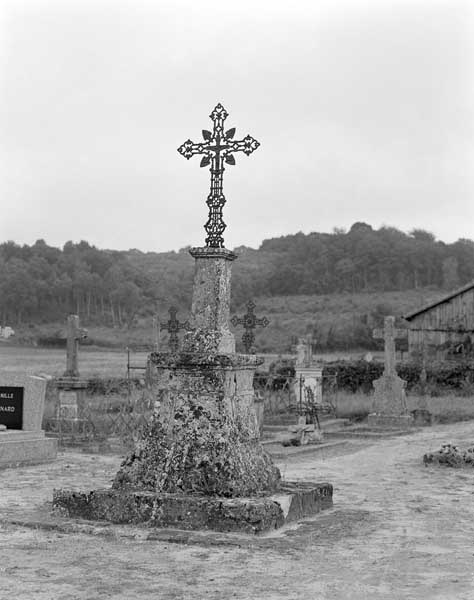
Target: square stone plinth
x: 247, y: 515
x: 390, y: 421
x: 26, y: 448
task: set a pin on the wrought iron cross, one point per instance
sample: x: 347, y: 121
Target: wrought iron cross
x: 173, y: 326
x: 217, y: 149
x: 389, y: 334
x: 249, y: 321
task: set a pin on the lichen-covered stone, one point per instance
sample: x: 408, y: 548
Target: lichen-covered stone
x: 211, y: 299
x: 204, y: 438
x: 246, y: 515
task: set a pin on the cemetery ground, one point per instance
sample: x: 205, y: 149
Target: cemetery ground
x: 398, y: 530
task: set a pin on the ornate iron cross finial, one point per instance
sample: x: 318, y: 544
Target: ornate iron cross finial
x: 249, y: 321
x: 217, y: 149
x: 173, y: 326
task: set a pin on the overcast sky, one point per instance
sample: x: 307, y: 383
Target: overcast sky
x: 364, y: 112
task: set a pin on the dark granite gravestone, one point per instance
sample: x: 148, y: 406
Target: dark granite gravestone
x: 22, y: 441
x: 11, y: 407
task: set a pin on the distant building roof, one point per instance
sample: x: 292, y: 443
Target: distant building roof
x: 445, y: 298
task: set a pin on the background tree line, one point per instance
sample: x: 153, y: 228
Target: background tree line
x: 41, y: 284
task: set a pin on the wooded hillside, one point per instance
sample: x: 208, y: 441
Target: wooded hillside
x: 41, y: 284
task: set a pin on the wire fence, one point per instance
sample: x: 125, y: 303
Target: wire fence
x: 104, y: 424
x: 114, y: 423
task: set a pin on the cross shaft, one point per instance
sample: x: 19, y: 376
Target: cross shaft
x: 389, y: 334
x: 216, y: 149
x: 74, y: 334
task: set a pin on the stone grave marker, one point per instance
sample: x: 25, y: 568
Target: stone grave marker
x: 71, y: 388
x: 200, y: 464
x: 22, y: 441
x: 390, y: 403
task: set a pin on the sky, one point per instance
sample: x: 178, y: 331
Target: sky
x: 364, y: 111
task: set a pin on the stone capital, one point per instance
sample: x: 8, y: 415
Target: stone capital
x: 207, y: 252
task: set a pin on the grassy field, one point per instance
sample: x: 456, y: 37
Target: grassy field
x: 95, y: 362
x: 92, y: 362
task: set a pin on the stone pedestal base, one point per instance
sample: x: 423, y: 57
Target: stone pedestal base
x: 390, y: 421
x: 389, y: 395
x: 26, y: 447
x: 71, y: 398
x: 246, y: 515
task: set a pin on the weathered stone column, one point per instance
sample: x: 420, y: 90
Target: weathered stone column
x: 210, y: 307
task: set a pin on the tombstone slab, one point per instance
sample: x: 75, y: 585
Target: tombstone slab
x: 22, y: 441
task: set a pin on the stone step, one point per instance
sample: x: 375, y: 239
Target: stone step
x: 19, y: 435
x: 366, y: 433
x: 334, y: 424
x: 326, y: 425
x: 276, y: 450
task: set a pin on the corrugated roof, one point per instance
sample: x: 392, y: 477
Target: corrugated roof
x: 445, y: 298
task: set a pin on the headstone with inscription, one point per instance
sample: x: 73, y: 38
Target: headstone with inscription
x: 22, y: 440
x: 390, y: 403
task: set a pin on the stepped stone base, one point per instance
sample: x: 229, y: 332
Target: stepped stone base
x: 25, y: 448
x: 258, y: 514
x: 390, y: 421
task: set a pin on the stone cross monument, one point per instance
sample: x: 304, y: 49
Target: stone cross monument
x: 74, y: 335
x: 200, y: 464
x: 389, y: 334
x: 390, y: 404
x: 71, y: 388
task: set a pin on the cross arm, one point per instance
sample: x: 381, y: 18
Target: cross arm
x: 247, y: 145
x: 237, y: 321
x: 189, y: 148
x: 263, y: 322
x: 80, y: 334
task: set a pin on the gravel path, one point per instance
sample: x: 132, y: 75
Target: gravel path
x: 398, y: 530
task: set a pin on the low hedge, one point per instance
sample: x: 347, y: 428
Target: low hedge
x: 359, y: 376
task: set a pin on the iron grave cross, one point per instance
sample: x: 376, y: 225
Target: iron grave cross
x: 389, y: 333
x: 249, y: 321
x: 173, y: 326
x: 217, y: 149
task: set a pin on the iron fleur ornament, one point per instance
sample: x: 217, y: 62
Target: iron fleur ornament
x: 249, y: 321
x: 173, y: 326
x: 217, y: 148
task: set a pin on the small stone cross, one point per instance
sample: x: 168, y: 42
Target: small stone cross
x: 249, y: 321
x: 74, y: 335
x: 389, y: 334
x: 173, y: 326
